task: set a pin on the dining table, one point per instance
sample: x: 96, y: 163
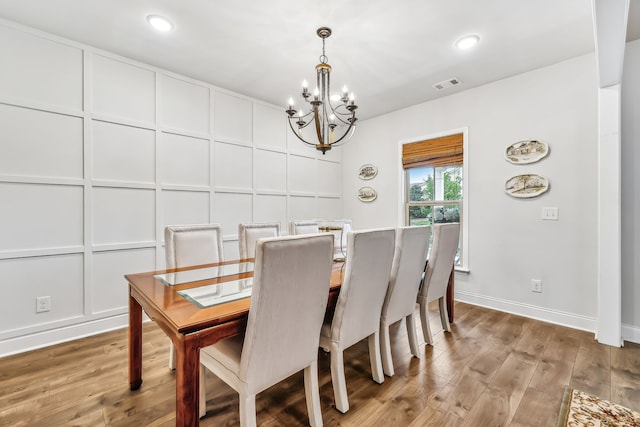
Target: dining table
x: 195, y: 307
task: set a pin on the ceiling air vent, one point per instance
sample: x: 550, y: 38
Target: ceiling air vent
x: 446, y: 84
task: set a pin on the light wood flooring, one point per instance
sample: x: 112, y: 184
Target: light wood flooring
x: 495, y: 369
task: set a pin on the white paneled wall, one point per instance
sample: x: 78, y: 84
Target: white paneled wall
x: 99, y: 153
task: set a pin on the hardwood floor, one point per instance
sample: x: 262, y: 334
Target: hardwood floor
x: 495, y: 369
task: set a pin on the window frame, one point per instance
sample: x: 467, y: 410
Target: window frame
x: 404, y: 203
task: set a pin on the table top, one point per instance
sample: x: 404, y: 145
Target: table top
x: 152, y: 291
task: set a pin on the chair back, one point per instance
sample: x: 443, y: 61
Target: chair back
x: 440, y: 264
x: 194, y: 244
x: 288, y: 302
x: 412, y: 245
x: 303, y: 227
x: 248, y: 235
x: 366, y: 278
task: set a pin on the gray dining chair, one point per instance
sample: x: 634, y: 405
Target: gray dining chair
x: 412, y: 245
x: 303, y: 227
x: 288, y: 302
x: 359, y: 304
x: 436, y: 275
x: 249, y: 233
x: 194, y: 244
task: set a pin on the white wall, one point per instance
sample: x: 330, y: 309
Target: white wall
x: 99, y: 153
x: 509, y: 244
x: 631, y: 191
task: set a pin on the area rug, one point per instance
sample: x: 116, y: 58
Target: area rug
x: 582, y: 409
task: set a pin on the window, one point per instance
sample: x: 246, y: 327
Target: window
x: 434, y: 182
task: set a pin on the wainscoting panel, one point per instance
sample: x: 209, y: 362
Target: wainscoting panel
x: 38, y: 70
x: 183, y: 105
x: 302, y: 175
x: 59, y: 277
x: 183, y: 207
x: 40, y: 216
x: 123, y: 153
x: 269, y: 128
x: 184, y: 160
x: 231, y: 209
x: 123, y: 215
x: 51, y: 149
x: 110, y: 290
x: 122, y: 90
x: 329, y: 178
x: 271, y: 208
x: 233, y: 166
x: 232, y: 118
x: 270, y: 171
x: 302, y: 207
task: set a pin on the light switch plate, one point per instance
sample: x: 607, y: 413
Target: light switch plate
x: 550, y: 214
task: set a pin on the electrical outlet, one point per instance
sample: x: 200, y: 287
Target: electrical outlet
x: 43, y: 304
x: 536, y: 285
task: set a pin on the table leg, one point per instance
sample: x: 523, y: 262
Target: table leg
x: 450, y: 295
x: 135, y: 343
x: 187, y: 381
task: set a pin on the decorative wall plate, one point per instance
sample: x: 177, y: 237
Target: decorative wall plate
x: 367, y: 194
x: 367, y: 172
x: 526, y: 151
x: 526, y: 186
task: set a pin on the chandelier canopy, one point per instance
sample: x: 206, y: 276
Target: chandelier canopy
x: 334, y: 124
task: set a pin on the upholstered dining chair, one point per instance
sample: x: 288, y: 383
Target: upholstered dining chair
x: 249, y: 233
x: 436, y: 275
x: 357, y: 312
x: 303, y: 227
x: 412, y: 245
x: 193, y: 244
x: 288, y: 302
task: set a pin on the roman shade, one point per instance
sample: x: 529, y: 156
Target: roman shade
x: 442, y: 151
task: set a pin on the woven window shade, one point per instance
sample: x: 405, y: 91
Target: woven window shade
x: 443, y: 151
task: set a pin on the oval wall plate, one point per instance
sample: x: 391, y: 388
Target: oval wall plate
x: 367, y: 172
x: 526, y: 151
x: 526, y: 186
x: 367, y: 194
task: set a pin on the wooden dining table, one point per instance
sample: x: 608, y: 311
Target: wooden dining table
x: 190, y: 325
x: 164, y: 296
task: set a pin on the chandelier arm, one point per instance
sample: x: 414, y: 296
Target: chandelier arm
x: 295, y: 132
x: 350, y: 129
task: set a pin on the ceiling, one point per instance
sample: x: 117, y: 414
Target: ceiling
x: 389, y: 53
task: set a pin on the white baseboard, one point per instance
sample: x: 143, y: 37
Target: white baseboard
x: 539, y: 313
x: 37, y: 340
x: 631, y: 333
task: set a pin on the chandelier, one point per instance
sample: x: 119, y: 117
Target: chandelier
x: 334, y: 124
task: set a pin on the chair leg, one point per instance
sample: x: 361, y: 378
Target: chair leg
x: 411, y: 333
x: 376, y: 360
x: 203, y: 393
x: 424, y: 318
x: 385, y: 344
x: 444, y: 314
x: 248, y: 410
x: 338, y: 380
x: 312, y: 394
x: 172, y: 356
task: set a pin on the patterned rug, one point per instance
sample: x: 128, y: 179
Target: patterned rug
x: 581, y: 409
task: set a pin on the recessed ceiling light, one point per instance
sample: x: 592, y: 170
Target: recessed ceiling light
x: 160, y: 23
x: 467, y: 41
